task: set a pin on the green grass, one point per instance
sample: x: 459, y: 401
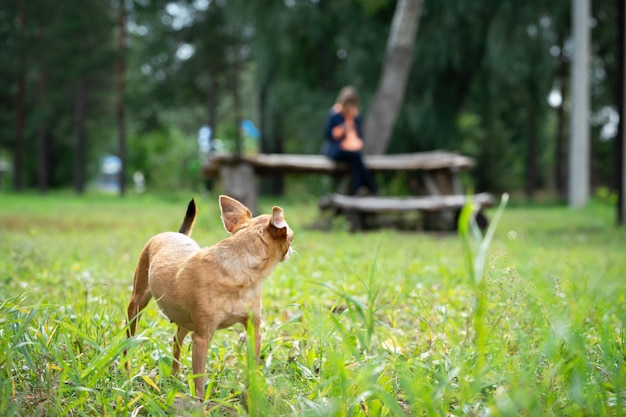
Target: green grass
x: 380, y: 323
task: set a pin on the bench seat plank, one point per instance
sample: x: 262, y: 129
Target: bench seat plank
x: 403, y: 204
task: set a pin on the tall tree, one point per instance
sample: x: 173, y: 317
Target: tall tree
x: 20, y: 99
x: 47, y: 48
x: 578, y: 182
x: 43, y: 145
x: 120, y: 90
x: 80, y: 136
x: 560, y: 143
x: 383, y: 112
x: 619, y: 162
x: 87, y: 65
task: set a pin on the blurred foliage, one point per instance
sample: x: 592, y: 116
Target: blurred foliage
x: 168, y: 158
x: 482, y: 72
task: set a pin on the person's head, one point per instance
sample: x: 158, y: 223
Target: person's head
x: 349, y: 99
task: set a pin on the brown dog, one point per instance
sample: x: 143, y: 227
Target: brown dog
x: 203, y: 290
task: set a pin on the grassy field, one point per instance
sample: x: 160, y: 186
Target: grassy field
x: 380, y: 323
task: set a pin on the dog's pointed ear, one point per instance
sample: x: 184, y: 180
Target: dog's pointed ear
x: 278, y: 221
x: 233, y: 212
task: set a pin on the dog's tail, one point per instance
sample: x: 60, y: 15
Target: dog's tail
x: 190, y: 218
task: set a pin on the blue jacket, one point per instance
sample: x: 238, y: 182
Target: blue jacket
x: 332, y: 147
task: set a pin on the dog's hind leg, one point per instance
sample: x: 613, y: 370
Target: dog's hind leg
x: 140, y: 297
x: 141, y: 293
x: 178, y: 344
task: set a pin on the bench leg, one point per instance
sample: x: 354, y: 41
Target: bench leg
x: 239, y: 182
x: 356, y: 219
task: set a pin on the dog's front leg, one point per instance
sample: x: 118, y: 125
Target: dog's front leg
x: 198, y: 359
x: 178, y: 344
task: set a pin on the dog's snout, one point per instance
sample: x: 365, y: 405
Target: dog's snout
x: 287, y: 254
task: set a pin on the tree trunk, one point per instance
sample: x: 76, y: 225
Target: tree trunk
x: 237, y: 101
x: 263, y: 114
x: 79, y: 127
x: 18, y: 151
x: 212, y: 100
x: 120, y: 88
x: 42, y: 136
x: 532, y: 154
x: 560, y: 151
x: 383, y: 112
x: 270, y: 137
x: 20, y: 100
x: 619, y: 152
x: 578, y: 170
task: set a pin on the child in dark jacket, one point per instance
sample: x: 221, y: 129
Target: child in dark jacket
x: 344, y: 140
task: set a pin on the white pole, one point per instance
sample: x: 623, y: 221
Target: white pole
x: 578, y: 179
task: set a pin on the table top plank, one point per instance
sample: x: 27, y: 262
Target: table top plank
x: 318, y: 163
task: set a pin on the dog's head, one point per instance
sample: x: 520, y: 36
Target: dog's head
x: 273, y: 230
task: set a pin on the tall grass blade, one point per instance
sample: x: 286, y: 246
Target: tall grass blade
x: 475, y: 247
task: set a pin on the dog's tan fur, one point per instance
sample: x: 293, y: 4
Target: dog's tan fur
x: 203, y: 290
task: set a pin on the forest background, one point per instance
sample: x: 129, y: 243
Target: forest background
x: 138, y: 78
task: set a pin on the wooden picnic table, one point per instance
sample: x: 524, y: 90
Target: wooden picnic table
x: 440, y: 191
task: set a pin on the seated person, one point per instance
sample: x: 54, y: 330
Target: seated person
x: 344, y: 140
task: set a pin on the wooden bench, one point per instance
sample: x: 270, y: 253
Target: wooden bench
x: 440, y: 193
x: 359, y: 210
